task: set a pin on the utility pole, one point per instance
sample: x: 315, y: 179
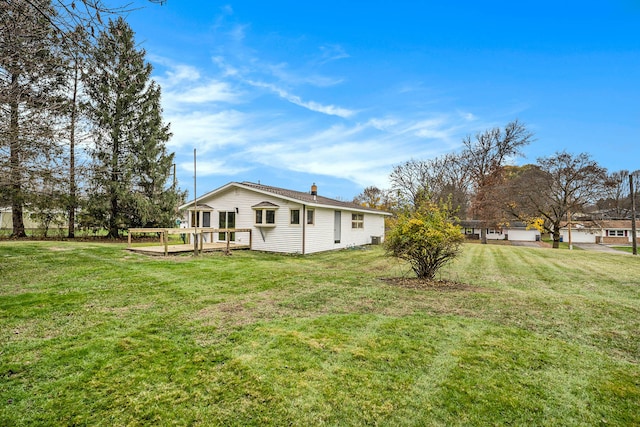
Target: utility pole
x: 195, y: 208
x: 633, y: 217
x: 569, y: 225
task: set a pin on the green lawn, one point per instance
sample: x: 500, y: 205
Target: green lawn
x: 91, y: 334
x: 624, y: 248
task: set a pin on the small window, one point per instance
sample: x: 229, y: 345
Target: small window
x: 271, y: 216
x: 357, y: 220
x: 265, y: 216
x: 295, y: 216
x: 310, y: 216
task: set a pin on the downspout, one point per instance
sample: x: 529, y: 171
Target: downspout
x: 304, y: 224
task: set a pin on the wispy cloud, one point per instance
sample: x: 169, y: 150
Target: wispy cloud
x: 234, y: 115
x: 211, y: 91
x: 208, y: 131
x: 331, y: 110
x: 208, y: 167
x: 332, y: 52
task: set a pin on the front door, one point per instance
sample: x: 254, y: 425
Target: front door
x: 227, y: 220
x: 337, y: 227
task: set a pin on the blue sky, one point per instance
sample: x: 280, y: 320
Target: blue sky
x: 290, y: 93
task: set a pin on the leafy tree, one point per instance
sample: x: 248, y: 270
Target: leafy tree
x: 131, y: 167
x: 426, y: 238
x: 31, y: 76
x: 485, y: 158
x: 554, y: 188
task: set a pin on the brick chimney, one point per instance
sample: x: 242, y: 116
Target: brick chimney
x: 314, y: 189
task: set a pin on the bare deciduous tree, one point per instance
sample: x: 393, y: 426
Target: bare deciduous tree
x: 438, y: 179
x: 553, y: 188
x: 485, y: 157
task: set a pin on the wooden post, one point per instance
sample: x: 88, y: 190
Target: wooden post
x: 569, y: 225
x: 129, y: 239
x: 228, y: 241
x: 195, y: 207
x: 165, y: 235
x: 634, y: 233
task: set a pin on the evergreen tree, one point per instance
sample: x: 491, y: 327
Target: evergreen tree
x: 130, y: 165
x: 31, y: 76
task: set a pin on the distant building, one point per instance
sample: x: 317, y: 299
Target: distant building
x: 616, y: 231
x: 514, y: 231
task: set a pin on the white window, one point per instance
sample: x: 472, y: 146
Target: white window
x: 357, y: 220
x: 265, y: 216
x: 310, y: 216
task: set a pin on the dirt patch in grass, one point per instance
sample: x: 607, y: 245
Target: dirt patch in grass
x: 59, y: 249
x: 431, y: 285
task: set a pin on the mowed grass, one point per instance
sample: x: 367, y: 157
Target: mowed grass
x: 94, y: 335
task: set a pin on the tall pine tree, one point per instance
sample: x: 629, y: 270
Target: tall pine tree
x: 131, y: 168
x: 31, y: 76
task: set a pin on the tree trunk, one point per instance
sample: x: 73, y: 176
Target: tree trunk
x: 17, y: 198
x: 113, y: 218
x: 556, y: 238
x: 483, y: 234
x: 72, y: 158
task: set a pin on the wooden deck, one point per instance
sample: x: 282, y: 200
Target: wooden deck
x: 200, y: 234
x: 178, y: 249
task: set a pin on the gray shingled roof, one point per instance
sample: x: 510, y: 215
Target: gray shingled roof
x: 307, y: 197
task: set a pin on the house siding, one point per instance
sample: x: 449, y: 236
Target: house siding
x: 285, y: 237
x: 580, y: 236
x: 520, y: 235
x: 320, y: 236
x: 281, y: 238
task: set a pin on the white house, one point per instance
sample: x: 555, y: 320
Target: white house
x: 514, y: 231
x: 598, y: 231
x: 284, y: 220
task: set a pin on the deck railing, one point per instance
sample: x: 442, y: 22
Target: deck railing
x: 198, y: 232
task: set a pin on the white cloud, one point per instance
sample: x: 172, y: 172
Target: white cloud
x: 208, y: 167
x: 230, y: 142
x: 212, y: 91
x: 208, y: 131
x: 332, y: 52
x: 331, y: 110
x: 382, y: 124
x: 467, y: 116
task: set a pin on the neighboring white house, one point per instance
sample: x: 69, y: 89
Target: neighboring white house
x: 514, y: 231
x: 284, y: 220
x: 6, y: 219
x: 598, y: 231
